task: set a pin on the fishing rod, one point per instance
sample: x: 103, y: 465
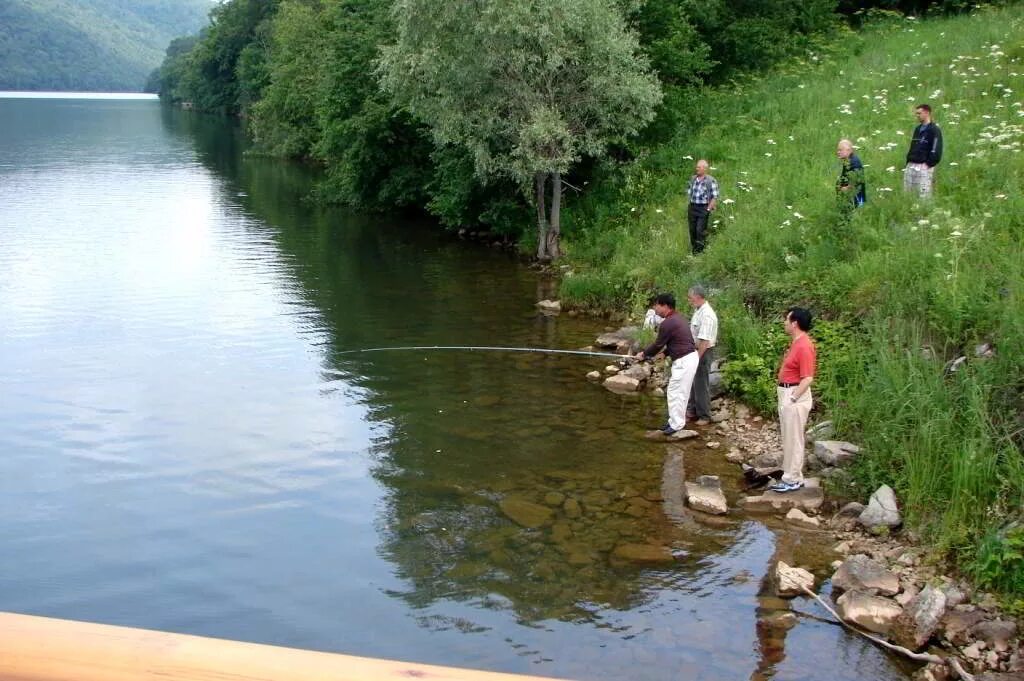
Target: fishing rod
x: 488, y: 348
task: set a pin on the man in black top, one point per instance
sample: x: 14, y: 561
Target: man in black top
x: 924, y: 154
x: 675, y: 338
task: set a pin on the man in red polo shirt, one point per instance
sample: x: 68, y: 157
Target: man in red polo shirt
x: 795, y: 377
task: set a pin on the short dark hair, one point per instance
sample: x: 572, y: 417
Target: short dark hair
x: 801, y: 316
x: 666, y: 299
x: 925, y: 107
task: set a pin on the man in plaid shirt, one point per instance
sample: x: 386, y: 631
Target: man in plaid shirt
x: 703, y: 193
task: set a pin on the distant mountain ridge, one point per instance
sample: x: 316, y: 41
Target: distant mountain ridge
x: 90, y: 44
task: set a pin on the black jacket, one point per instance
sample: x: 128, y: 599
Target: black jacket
x: 926, y: 147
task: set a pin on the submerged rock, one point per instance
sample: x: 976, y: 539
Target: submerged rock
x: 706, y: 495
x: 526, y: 513
x: 643, y: 553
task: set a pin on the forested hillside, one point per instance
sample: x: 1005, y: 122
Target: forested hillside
x: 90, y: 44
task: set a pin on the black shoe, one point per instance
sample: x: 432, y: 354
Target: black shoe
x: 669, y: 431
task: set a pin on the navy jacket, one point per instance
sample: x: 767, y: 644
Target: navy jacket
x: 926, y: 146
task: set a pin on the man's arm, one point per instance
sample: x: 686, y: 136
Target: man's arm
x: 659, y: 343
x: 713, y: 203
x: 935, y: 152
x: 702, y: 347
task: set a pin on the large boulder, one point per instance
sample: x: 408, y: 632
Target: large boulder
x: 870, y: 612
x: 706, y: 495
x: 858, y: 572
x: 834, y: 452
x: 882, y: 511
x: 798, y: 517
x: 526, y: 513
x: 621, y: 340
x: 821, y: 431
x: 956, y: 625
x: 791, y: 581
x: 920, y: 619
x: 641, y: 371
x: 716, y: 381
x: 620, y: 383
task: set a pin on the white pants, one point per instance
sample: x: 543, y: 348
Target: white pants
x: 793, y: 423
x: 918, y: 179
x: 679, y: 384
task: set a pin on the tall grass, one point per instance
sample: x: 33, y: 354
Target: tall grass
x: 905, y: 285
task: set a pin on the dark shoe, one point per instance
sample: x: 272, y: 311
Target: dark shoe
x: 669, y: 431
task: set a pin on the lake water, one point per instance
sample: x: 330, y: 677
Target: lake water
x: 187, y: 445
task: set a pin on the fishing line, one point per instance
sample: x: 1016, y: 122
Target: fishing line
x: 474, y: 348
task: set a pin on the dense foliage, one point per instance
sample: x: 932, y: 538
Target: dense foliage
x: 307, y: 84
x: 89, y: 44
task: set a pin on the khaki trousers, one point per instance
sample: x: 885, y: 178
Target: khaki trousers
x: 793, y: 424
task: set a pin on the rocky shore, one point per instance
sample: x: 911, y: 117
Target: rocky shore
x: 885, y: 583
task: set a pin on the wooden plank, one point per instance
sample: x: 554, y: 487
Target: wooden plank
x: 44, y: 649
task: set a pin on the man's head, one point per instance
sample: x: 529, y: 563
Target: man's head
x: 696, y: 295
x: 844, y: 149
x: 702, y: 168
x: 923, y: 113
x: 797, y: 320
x: 664, y: 303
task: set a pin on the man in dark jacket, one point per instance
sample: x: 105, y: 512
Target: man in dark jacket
x: 850, y: 187
x: 676, y: 339
x: 924, y: 154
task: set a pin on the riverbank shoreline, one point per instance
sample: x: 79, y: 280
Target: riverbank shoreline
x: 892, y: 585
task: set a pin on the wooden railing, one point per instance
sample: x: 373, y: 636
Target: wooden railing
x: 44, y: 649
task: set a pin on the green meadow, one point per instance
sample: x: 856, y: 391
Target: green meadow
x: 899, y: 290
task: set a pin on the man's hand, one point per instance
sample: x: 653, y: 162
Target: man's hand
x: 712, y: 204
x: 639, y: 356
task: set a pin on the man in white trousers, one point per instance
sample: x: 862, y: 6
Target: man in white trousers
x: 675, y: 338
x: 796, y: 373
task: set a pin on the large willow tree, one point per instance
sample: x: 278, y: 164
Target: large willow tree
x: 529, y: 87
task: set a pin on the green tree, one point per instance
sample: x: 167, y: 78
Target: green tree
x: 529, y: 87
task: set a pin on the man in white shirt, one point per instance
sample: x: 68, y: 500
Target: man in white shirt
x: 704, y: 326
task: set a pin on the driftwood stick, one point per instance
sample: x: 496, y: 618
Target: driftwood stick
x: 920, y: 657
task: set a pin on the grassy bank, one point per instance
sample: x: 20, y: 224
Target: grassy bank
x: 902, y: 287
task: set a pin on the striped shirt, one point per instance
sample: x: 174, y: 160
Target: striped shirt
x: 702, y: 189
x: 704, y: 325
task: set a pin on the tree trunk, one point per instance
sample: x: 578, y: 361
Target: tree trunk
x: 555, y: 223
x: 540, y: 181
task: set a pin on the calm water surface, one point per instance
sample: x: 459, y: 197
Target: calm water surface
x: 186, y: 445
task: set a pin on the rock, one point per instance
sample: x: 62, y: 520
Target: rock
x: 933, y: 671
x: 999, y: 676
x: 643, y: 553
x: 985, y: 351
x: 594, y: 375
x: 561, y: 532
x: 767, y: 460
x: 621, y: 339
x: 920, y: 619
x: 834, y: 452
x: 882, y: 510
x: 572, y: 508
x: 821, y: 431
x: 713, y: 445
x: 612, y: 369
x: 639, y: 370
x: 658, y: 392
x: 554, y: 498
x: 954, y: 596
x: 622, y: 384
x: 861, y: 573
x: 798, y: 517
x: 870, y: 612
x: 526, y: 513
x: 706, y: 495
x: 851, y: 510
x: 1016, y: 663
x: 734, y: 456
x: 956, y: 625
x: 908, y: 594
x: 716, y: 383
x: 996, y: 634
x: 953, y: 365
x: 973, y: 651
x: 550, y: 306
x: 807, y: 499
x: 791, y: 581
x: 683, y: 435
